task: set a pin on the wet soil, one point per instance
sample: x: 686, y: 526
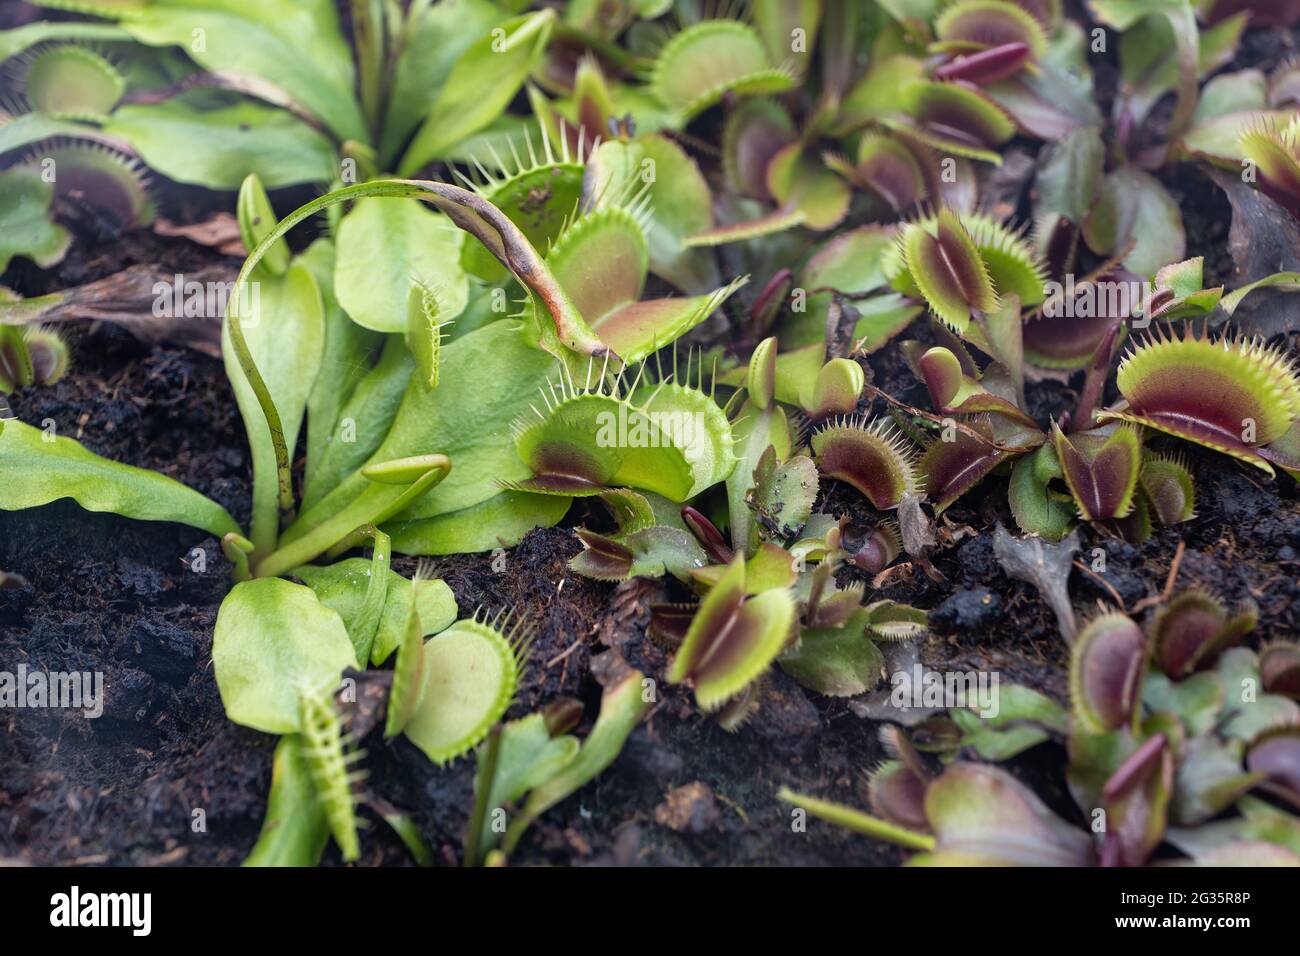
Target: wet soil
x: 163, y: 778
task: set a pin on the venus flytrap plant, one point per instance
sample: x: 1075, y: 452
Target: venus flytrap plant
x: 1152, y: 753
x: 31, y: 356
x: 732, y: 638
x: 1255, y: 392
x: 449, y: 691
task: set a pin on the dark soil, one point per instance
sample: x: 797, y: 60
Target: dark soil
x: 127, y: 599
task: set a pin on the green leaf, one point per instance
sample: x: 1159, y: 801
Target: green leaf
x: 1036, y: 507
x: 284, y: 327
x: 621, y: 707
x: 836, y: 661
x: 13, y: 42
x: 1135, y: 210
x: 213, y: 140
x: 529, y: 756
x: 37, y: 467
x: 359, y: 425
x: 470, y: 674
x: 275, y: 644
x: 256, y: 221
x: 468, y: 100
x: 1024, y: 719
x: 342, y: 586
x: 295, y: 44
x: 384, y: 245
x: 345, y: 364
x: 28, y: 128
x: 480, y: 442
x: 499, y: 522
x: 294, y: 832
x: 26, y: 227
x: 433, y: 41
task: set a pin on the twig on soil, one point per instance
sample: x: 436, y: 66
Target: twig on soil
x: 1165, y: 594
x: 563, y: 654
x: 1119, y: 601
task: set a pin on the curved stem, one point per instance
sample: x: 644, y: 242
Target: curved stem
x: 466, y: 209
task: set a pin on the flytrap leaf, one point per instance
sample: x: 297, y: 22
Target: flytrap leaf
x: 988, y: 66
x: 953, y: 118
x: 953, y: 391
x: 947, y: 269
x: 803, y: 184
x: 102, y: 180
x: 1066, y: 334
x: 888, y: 167
x: 1008, y: 260
x: 710, y: 59
x: 1101, y: 470
x: 952, y: 468
x: 1193, y: 629
x: 752, y: 135
x: 680, y: 197
x: 874, y: 457
x: 31, y: 356
x: 648, y: 552
x: 1230, y: 394
x: 471, y: 671
x: 835, y: 390
x: 538, y: 190
x: 38, y: 466
x: 601, y: 260
x: 1271, y: 148
x: 836, y: 661
x: 732, y: 639
x: 1107, y: 659
x: 274, y: 645
x: 668, y: 439
x: 327, y: 751
x: 1279, y: 668
x: 974, y: 25
x: 72, y: 82
x: 983, y: 816
x: 1167, y: 486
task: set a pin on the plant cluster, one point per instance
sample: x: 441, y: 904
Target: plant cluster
x: 1172, y: 738
x: 623, y: 170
